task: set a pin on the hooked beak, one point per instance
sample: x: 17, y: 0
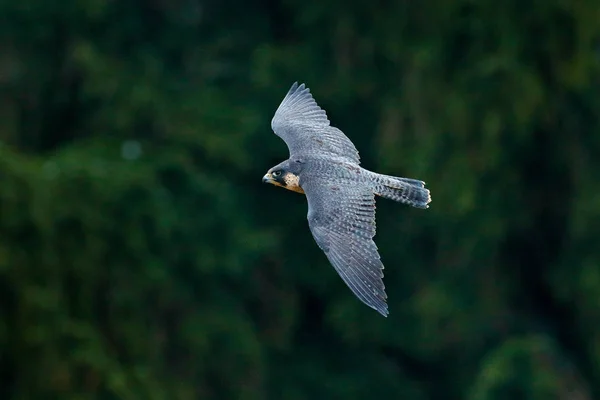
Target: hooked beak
x: 268, y: 178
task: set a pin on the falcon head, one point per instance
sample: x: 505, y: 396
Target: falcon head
x: 285, y: 175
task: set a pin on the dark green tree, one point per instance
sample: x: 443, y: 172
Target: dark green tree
x: 142, y: 258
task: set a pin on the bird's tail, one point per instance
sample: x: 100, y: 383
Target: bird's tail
x: 404, y: 190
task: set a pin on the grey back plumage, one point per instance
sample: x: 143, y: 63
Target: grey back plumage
x: 306, y: 130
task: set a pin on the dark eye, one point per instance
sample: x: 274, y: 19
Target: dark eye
x: 276, y: 173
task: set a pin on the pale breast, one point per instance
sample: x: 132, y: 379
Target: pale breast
x: 292, y: 182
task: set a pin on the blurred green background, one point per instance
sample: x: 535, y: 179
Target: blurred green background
x: 141, y: 257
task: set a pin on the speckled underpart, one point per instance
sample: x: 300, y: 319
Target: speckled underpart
x: 324, y: 165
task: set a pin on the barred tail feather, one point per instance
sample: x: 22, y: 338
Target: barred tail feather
x: 404, y: 190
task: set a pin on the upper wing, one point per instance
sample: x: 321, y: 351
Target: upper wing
x: 342, y: 221
x: 304, y: 127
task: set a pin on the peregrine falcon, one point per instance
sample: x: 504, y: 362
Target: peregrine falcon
x: 324, y: 166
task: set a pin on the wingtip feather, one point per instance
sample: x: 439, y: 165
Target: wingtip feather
x: 293, y: 88
x: 383, y: 310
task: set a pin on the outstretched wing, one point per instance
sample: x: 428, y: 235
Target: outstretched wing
x: 304, y: 127
x: 342, y: 221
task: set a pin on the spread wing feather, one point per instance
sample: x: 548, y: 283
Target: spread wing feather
x: 342, y: 221
x: 306, y: 130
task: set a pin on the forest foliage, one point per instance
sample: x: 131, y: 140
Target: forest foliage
x: 142, y: 258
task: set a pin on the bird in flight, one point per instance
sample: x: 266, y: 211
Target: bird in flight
x: 325, y: 166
